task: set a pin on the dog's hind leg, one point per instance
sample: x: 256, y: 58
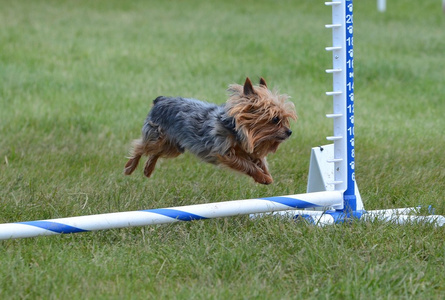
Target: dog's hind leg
x: 149, y: 144
x: 131, y: 165
x: 153, y: 144
x: 165, y: 150
x: 150, y: 165
x: 137, y: 152
x: 152, y: 149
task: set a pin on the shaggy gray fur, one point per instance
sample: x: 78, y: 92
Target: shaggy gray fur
x: 202, y: 128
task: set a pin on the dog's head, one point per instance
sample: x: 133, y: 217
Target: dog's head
x: 261, y: 116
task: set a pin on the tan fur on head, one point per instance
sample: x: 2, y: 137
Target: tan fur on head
x: 261, y: 115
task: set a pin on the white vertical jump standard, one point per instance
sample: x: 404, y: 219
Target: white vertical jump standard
x: 332, y: 167
x: 343, y: 101
x: 342, y: 153
x: 331, y: 182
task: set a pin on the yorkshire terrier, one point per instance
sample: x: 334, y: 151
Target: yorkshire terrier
x: 238, y: 134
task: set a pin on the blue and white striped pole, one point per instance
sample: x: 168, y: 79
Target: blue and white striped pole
x: 168, y: 215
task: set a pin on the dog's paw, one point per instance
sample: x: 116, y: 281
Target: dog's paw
x: 263, y: 179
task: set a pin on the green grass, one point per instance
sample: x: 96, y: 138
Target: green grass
x: 77, y: 79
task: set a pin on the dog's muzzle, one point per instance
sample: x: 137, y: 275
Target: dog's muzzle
x: 288, y: 132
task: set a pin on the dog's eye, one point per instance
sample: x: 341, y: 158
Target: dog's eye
x: 276, y: 120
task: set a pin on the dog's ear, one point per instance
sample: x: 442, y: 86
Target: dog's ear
x: 263, y: 82
x: 248, y: 88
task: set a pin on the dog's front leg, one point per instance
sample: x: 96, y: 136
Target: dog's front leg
x: 262, y: 164
x: 247, y: 166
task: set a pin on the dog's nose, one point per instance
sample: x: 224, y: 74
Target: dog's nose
x: 288, y: 132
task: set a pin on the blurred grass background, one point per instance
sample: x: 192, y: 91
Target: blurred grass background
x: 77, y: 80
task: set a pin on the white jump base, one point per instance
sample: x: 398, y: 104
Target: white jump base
x: 397, y: 216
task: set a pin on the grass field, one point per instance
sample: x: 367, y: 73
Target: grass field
x: 77, y: 79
